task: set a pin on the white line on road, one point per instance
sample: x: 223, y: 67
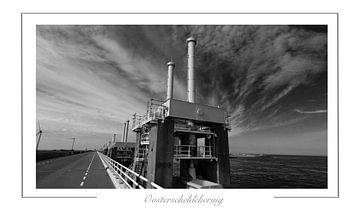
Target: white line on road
x: 87, y: 170
x: 91, y: 162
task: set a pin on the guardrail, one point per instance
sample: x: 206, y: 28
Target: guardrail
x: 155, y: 110
x: 142, y: 153
x: 130, y: 178
x: 190, y: 151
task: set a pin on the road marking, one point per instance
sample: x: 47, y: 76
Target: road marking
x: 91, y: 162
x: 87, y: 170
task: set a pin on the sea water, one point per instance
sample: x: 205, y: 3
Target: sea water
x: 278, y: 171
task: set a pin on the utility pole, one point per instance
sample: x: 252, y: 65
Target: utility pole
x: 72, y: 147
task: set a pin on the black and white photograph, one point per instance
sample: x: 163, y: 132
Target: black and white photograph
x: 182, y: 106
x: 176, y: 105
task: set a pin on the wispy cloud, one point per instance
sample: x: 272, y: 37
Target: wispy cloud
x: 254, y: 70
x: 310, y: 112
x: 92, y: 78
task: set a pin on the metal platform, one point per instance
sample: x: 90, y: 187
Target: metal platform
x: 193, y: 152
x: 157, y: 109
x: 193, y: 131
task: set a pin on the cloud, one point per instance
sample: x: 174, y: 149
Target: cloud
x: 93, y: 78
x: 255, y: 70
x: 77, y: 89
x: 310, y: 112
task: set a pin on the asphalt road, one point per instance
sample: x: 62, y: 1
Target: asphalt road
x: 76, y: 171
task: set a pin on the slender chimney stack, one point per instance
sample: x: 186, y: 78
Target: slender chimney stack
x: 124, y: 133
x: 191, y: 42
x: 170, y: 83
x: 127, y: 130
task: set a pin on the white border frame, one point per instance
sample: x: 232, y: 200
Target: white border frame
x: 29, y: 22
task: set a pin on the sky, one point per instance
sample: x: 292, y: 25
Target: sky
x: 271, y: 79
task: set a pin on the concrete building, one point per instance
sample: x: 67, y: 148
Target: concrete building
x: 186, y: 133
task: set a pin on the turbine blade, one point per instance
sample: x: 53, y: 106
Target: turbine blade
x: 39, y: 127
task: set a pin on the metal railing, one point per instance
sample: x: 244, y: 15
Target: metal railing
x: 191, y: 151
x: 183, y: 127
x: 144, y: 139
x: 228, y: 121
x: 144, y: 142
x: 155, y: 110
x: 141, y: 154
x: 130, y: 178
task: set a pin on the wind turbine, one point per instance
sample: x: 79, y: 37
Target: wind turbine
x: 38, y: 134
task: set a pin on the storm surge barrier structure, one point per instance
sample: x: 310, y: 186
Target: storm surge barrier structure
x: 186, y: 133
x: 129, y: 178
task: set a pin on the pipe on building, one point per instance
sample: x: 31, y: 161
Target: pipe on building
x: 191, y: 42
x: 170, y: 83
x: 123, y: 133
x: 127, y: 130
